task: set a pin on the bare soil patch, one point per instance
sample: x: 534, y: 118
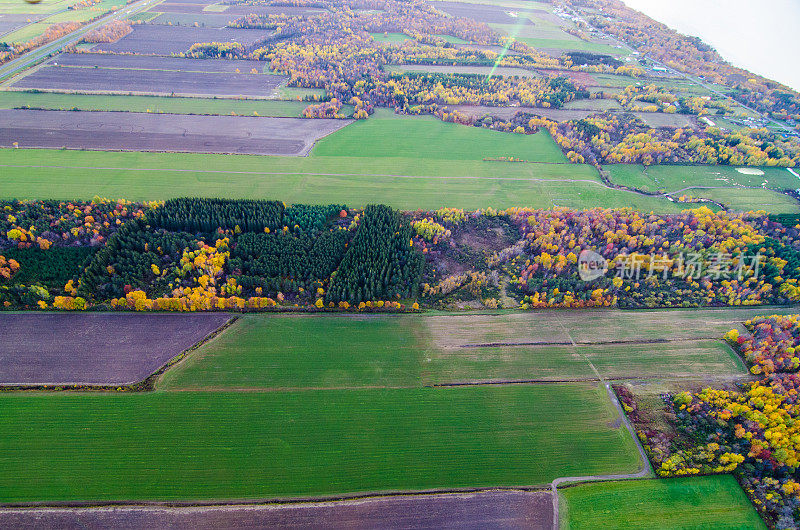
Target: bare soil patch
x: 131, y: 131
x: 145, y: 62
x: 95, y: 348
x: 165, y: 40
x: 158, y: 82
x: 490, y: 509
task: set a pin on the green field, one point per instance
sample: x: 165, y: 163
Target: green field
x: 300, y: 352
x: 734, y: 186
x: 390, y: 37
x: 399, y: 182
x: 224, y: 445
x: 171, y: 105
x: 404, y: 162
x: 573, y: 45
x: 435, y: 140
x: 676, y: 503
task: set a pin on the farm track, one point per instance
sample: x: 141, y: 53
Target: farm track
x: 646, y: 470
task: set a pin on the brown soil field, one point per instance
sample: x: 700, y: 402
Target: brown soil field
x: 144, y: 62
x: 95, y: 348
x: 159, y: 82
x: 447, y: 69
x: 132, y: 131
x: 491, y: 509
x: 481, y: 13
x: 158, y: 39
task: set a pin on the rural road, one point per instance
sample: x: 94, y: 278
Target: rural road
x: 32, y: 57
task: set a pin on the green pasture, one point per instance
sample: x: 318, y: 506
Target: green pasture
x: 677, y: 503
x: 298, y: 93
x: 404, y: 162
x: 296, y: 352
x: 734, y: 188
x: 572, y: 45
x: 434, y: 139
x: 155, y: 104
x: 408, y: 183
x: 750, y: 199
x: 237, y: 445
x: 390, y: 37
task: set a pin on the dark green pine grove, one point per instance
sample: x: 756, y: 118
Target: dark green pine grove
x: 380, y: 263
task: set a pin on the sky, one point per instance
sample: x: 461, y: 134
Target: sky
x: 758, y: 35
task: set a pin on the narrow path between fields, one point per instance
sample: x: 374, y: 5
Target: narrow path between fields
x: 646, y: 470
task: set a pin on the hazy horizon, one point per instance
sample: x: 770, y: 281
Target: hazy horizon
x: 771, y: 50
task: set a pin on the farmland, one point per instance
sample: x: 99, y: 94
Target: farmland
x: 754, y: 188
x: 694, y: 502
x: 400, y: 182
x: 155, y: 104
x: 163, y: 132
x: 142, y: 62
x: 152, y: 81
x: 34, y: 354
x: 288, y: 444
x: 164, y: 40
x: 529, y: 509
x: 414, y: 351
x: 392, y: 264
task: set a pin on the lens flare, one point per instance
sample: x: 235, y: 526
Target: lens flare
x: 522, y: 18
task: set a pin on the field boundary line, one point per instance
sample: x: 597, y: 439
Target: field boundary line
x: 588, y: 343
